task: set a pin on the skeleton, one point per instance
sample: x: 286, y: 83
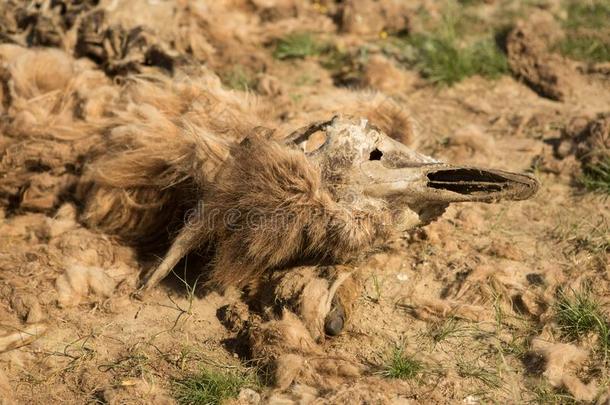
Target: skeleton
x: 341, y: 188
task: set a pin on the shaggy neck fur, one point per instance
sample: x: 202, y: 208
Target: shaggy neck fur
x: 268, y: 208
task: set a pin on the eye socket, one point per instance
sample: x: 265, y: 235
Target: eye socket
x: 376, y: 154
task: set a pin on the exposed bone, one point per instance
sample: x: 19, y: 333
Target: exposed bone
x: 183, y: 244
x: 410, y: 174
x: 333, y: 290
x: 308, y: 292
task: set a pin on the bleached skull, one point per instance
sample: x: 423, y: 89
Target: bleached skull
x: 365, y: 167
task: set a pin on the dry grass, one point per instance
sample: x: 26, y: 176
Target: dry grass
x: 484, y: 374
x: 446, y: 329
x: 545, y: 394
x: 479, y: 357
x: 238, y: 78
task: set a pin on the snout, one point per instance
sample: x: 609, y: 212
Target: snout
x: 463, y: 183
x: 400, y: 171
x: 381, y: 167
x: 439, y: 182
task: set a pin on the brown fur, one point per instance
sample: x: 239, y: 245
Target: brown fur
x: 153, y: 159
x: 294, y: 356
x: 167, y: 147
x: 284, y: 214
x: 41, y: 136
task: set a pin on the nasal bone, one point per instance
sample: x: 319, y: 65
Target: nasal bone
x: 437, y: 182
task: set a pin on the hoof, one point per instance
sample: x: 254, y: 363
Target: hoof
x: 335, y: 320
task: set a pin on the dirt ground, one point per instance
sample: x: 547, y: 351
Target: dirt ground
x: 472, y: 296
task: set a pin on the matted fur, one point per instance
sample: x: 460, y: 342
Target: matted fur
x: 166, y: 147
x: 292, y: 355
x: 268, y: 208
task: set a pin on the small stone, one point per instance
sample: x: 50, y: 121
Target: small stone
x: 471, y: 400
x: 249, y: 396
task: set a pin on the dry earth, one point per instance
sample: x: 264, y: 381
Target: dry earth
x: 471, y: 296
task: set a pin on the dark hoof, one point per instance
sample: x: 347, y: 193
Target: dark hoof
x: 335, y: 320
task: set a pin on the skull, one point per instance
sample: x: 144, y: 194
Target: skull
x: 363, y: 167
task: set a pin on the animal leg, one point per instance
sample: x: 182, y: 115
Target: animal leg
x: 344, y: 293
x: 182, y: 245
x: 321, y: 298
